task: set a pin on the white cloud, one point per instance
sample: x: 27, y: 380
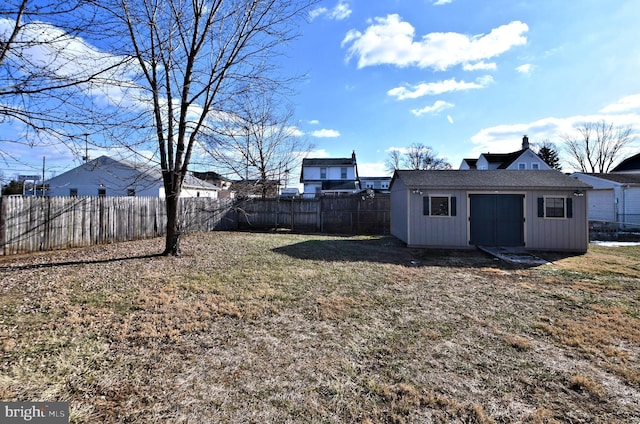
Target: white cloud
x: 339, y: 12
x: 314, y: 122
x: 441, y: 2
x: 525, y: 69
x: 390, y: 40
x: 325, y: 133
x: 435, y: 88
x: 624, y: 104
x: 373, y: 169
x: 479, y: 66
x: 438, y: 106
x: 319, y: 153
x: 508, y: 137
x: 450, y: 119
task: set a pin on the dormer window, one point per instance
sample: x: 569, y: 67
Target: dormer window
x: 323, y: 173
x: 343, y: 173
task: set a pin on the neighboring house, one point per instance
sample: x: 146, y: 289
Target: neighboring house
x: 537, y: 210
x: 330, y: 176
x: 217, y: 180
x: 377, y: 184
x: 629, y: 165
x: 524, y: 158
x: 106, y: 176
x: 256, y: 188
x: 615, y: 197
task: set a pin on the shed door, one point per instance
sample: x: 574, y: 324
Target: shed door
x: 496, y: 219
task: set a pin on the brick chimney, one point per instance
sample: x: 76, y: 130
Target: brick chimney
x: 353, y: 156
x: 525, y: 142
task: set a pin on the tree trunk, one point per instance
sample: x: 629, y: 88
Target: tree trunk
x: 172, y: 242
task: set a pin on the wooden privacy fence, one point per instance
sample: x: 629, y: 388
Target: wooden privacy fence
x: 355, y: 214
x: 29, y: 224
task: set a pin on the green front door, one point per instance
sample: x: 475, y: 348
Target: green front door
x: 496, y: 219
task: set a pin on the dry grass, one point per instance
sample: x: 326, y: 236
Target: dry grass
x: 292, y: 328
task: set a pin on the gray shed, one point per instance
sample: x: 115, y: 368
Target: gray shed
x: 537, y: 210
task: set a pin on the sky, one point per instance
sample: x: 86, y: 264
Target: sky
x: 461, y: 76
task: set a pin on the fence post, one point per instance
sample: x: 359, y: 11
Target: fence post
x: 3, y: 229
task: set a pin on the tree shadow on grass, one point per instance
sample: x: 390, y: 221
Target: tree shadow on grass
x: 55, y: 264
x: 390, y: 250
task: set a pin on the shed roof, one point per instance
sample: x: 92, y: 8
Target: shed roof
x: 489, y: 179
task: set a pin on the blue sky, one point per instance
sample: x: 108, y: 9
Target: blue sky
x: 461, y: 76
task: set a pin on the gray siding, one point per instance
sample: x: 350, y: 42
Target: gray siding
x: 399, y: 224
x: 564, y: 234
x: 438, y: 231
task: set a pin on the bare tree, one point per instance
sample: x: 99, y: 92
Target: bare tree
x: 597, y: 145
x: 47, y: 71
x: 194, y: 57
x: 393, y: 160
x: 258, y: 143
x: 422, y: 157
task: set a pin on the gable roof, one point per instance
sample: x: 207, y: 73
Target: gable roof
x: 629, y: 164
x: 618, y: 178
x: 471, y: 162
x: 144, y: 171
x: 503, y: 159
x: 489, y: 179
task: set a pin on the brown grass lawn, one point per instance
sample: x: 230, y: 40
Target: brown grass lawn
x: 279, y: 327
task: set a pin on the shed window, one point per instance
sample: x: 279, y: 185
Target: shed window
x: 102, y: 192
x: 343, y: 173
x: 73, y: 192
x: 131, y: 192
x: 439, y: 205
x: 323, y: 173
x: 555, y: 207
x: 522, y: 165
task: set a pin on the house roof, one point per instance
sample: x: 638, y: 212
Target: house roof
x: 375, y: 178
x: 339, y: 185
x: 489, y: 179
x: 143, y: 169
x: 629, y: 164
x: 327, y: 161
x: 504, y: 159
x: 618, y: 178
x: 471, y: 162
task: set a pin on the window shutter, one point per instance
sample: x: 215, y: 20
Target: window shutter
x: 453, y: 206
x: 569, y: 207
x: 540, y: 207
x: 425, y: 205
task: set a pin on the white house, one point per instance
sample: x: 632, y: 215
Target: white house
x: 330, y: 176
x: 379, y: 184
x: 106, y: 176
x: 522, y: 159
x: 615, y: 197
